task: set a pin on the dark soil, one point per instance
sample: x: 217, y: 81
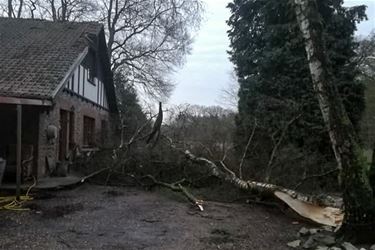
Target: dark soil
x: 97, y: 217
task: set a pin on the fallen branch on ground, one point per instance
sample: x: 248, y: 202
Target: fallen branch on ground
x: 317, y: 210
x: 306, y: 206
x: 177, y: 187
x: 94, y: 174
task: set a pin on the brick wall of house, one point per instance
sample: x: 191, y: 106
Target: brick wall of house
x: 80, y: 107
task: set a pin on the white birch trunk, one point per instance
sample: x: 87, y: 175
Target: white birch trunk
x: 321, y: 211
x: 318, y: 74
x: 357, y: 192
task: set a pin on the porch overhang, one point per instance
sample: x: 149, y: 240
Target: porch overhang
x: 24, y: 101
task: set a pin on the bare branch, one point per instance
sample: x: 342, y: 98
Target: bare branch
x: 247, y: 148
x: 276, y: 147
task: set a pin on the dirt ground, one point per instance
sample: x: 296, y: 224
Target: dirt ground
x: 97, y: 217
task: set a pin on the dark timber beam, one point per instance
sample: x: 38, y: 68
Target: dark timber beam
x: 19, y: 150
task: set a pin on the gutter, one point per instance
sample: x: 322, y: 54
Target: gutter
x: 25, y: 101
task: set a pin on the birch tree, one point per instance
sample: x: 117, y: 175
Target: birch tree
x: 358, y: 191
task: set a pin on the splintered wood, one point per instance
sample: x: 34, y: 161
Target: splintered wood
x: 328, y: 216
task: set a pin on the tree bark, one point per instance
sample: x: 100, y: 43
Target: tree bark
x: 372, y: 171
x: 64, y: 10
x: 322, y: 211
x: 177, y: 187
x: 53, y: 10
x: 19, y: 13
x: 10, y: 8
x: 358, y: 194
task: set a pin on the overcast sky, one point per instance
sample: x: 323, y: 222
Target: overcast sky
x: 207, y: 69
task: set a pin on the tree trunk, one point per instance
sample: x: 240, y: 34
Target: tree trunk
x: 111, y: 28
x: 19, y: 13
x: 372, y: 171
x: 53, y: 10
x: 64, y: 10
x: 354, y: 173
x: 323, y: 211
x: 10, y: 8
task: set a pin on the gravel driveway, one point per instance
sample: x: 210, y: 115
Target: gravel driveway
x: 97, y: 217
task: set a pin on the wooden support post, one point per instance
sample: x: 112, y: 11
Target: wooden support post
x: 19, y: 150
x: 67, y: 135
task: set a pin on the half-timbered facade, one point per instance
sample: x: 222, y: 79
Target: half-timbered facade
x: 57, y: 95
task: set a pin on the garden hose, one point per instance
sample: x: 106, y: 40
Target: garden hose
x: 11, y: 202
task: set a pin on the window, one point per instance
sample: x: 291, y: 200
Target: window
x: 72, y: 86
x: 90, y: 76
x: 89, y: 64
x: 88, y: 131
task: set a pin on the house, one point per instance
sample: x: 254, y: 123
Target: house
x: 56, y: 93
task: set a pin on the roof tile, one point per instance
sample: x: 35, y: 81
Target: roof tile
x: 35, y: 55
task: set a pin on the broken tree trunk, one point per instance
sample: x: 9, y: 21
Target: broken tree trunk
x: 358, y: 194
x: 306, y: 206
x: 324, y: 211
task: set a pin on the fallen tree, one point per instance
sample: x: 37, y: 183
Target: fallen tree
x: 318, y: 210
x: 322, y: 210
x: 325, y: 211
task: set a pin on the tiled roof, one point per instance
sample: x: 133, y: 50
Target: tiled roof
x: 35, y: 55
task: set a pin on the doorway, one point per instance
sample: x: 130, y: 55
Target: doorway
x: 66, y: 136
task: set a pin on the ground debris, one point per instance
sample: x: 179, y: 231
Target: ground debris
x: 150, y: 220
x: 348, y: 246
x: 303, y: 232
x: 320, y: 239
x: 324, y: 239
x: 294, y: 244
x: 310, y: 244
x: 307, y: 232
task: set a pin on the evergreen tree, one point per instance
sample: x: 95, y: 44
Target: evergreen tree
x: 268, y: 52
